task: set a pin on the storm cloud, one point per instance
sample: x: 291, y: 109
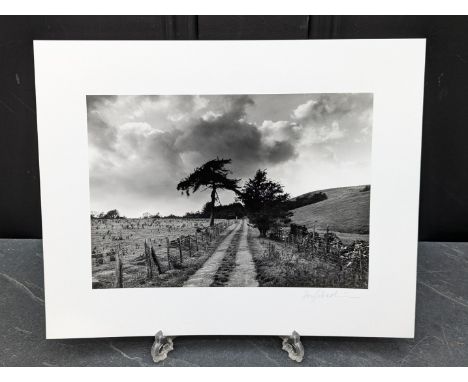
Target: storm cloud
x: 229, y: 134
x: 141, y: 146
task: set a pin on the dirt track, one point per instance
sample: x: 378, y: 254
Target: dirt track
x: 242, y: 275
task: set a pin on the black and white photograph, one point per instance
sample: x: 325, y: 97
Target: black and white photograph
x: 262, y: 190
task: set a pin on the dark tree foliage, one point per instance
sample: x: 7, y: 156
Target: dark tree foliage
x: 265, y: 202
x: 228, y: 211
x: 296, y: 230
x: 305, y: 200
x: 212, y: 175
x: 193, y: 215
x: 366, y: 188
x: 171, y: 216
x: 112, y: 214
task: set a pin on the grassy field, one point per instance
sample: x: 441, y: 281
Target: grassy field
x: 158, y: 252
x: 128, y: 237
x: 345, y: 211
x: 312, y: 260
x: 281, y: 264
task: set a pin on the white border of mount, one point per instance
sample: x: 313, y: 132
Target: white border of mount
x: 68, y: 70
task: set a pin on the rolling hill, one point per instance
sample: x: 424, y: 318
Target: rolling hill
x: 346, y: 210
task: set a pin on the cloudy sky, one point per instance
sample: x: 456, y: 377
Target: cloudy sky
x: 140, y: 147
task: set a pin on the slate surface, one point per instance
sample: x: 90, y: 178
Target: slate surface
x: 441, y: 325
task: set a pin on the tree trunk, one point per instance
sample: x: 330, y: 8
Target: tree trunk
x: 213, y: 196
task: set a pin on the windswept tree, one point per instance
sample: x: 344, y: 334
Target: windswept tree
x: 214, y: 176
x: 265, y: 202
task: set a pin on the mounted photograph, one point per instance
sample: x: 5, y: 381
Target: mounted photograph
x: 260, y: 190
x: 177, y: 181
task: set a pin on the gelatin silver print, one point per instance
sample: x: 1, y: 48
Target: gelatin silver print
x: 269, y: 190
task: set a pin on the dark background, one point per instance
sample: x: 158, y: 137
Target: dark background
x: 444, y: 175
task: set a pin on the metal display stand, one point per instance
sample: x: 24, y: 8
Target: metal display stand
x: 163, y: 345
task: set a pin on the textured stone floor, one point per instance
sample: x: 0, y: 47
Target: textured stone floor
x: 441, y: 325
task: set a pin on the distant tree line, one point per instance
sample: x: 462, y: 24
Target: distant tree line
x: 112, y: 214
x: 228, y: 211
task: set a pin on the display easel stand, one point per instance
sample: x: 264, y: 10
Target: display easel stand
x: 163, y: 345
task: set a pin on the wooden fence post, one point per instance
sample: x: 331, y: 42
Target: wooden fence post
x: 168, y: 244
x: 118, y: 282
x: 180, y: 250
x: 196, y: 241
x: 189, y: 246
x: 313, y: 241
x: 156, y: 260
x: 360, y: 264
x: 149, y: 268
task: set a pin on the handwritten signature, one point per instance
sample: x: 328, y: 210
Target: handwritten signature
x: 326, y: 294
